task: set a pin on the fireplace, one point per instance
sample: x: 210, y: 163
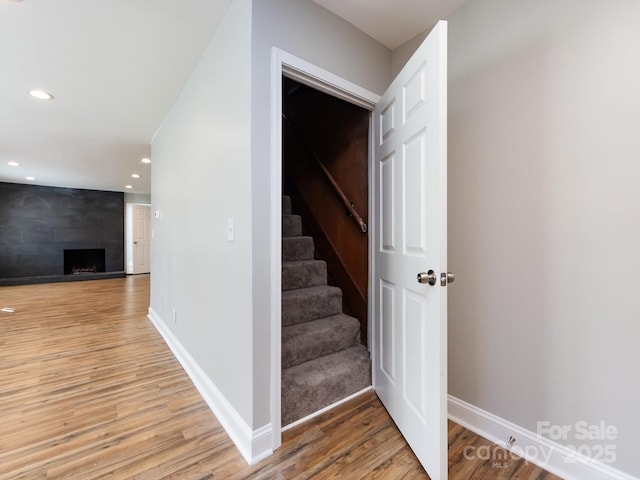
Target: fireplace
x: 82, y: 261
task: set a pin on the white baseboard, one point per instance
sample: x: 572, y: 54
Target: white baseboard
x: 545, y: 453
x: 254, y: 445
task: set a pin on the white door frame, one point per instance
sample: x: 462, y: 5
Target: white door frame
x: 283, y: 63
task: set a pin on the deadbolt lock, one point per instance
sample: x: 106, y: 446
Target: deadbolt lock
x: 447, y: 278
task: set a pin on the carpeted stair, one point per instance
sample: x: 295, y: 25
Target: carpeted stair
x: 322, y: 359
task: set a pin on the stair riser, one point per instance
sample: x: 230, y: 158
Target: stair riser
x: 286, y: 205
x: 307, y: 341
x: 291, y: 226
x: 305, y: 392
x: 322, y: 396
x: 308, y: 274
x: 304, y: 309
x: 297, y: 248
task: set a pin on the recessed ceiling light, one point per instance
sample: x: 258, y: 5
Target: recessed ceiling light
x: 13, y: 164
x: 30, y: 178
x: 128, y: 186
x: 146, y: 160
x: 40, y: 94
x: 135, y: 175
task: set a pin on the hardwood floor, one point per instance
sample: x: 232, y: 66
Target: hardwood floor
x: 89, y: 391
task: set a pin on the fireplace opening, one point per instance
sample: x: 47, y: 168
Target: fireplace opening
x: 87, y: 260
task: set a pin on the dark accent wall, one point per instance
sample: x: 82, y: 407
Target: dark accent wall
x: 38, y: 223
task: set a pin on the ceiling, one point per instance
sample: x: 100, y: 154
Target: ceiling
x: 115, y: 68
x: 393, y: 22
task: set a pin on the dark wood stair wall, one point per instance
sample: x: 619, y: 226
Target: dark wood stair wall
x: 338, y: 133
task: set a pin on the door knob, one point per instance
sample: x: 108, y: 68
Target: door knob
x: 447, y: 278
x: 428, y: 277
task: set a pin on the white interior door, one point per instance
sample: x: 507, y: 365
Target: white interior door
x: 141, y: 238
x: 410, y: 318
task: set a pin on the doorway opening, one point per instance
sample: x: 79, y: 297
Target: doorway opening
x: 285, y: 65
x: 138, y: 238
x: 325, y: 154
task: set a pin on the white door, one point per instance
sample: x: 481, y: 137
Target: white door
x: 141, y: 238
x: 410, y: 318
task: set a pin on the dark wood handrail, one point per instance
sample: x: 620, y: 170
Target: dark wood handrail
x: 348, y: 204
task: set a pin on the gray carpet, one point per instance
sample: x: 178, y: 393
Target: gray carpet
x: 322, y: 359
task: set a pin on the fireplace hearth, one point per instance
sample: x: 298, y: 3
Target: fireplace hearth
x: 84, y: 260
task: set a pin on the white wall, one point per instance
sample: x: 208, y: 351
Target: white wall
x: 544, y: 219
x: 308, y: 31
x: 401, y: 55
x: 142, y: 198
x: 211, y: 162
x: 201, y: 176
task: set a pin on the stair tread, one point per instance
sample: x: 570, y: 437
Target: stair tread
x: 310, y: 291
x: 337, y: 359
x: 310, y: 261
x: 306, y: 341
x: 318, y: 325
x: 293, y: 239
x: 304, y: 304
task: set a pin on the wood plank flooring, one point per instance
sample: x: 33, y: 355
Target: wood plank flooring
x: 89, y: 390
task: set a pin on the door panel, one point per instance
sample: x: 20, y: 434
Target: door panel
x: 141, y: 238
x: 386, y: 208
x: 409, y: 353
x: 413, y: 341
x: 413, y: 195
x: 387, y: 335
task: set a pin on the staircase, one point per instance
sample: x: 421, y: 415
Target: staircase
x: 322, y: 358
